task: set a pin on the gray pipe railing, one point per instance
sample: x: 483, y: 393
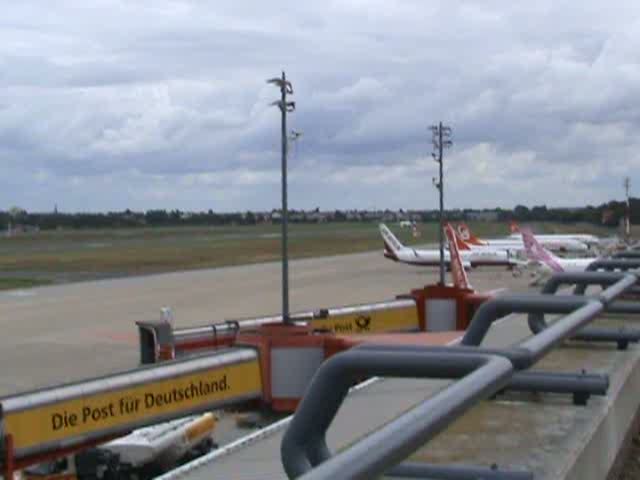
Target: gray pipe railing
x: 499, y: 307
x: 454, y: 472
x: 609, y: 294
x: 304, y: 444
x: 624, y: 265
x: 582, y: 280
x: 616, y: 283
x: 540, y: 344
x: 614, y: 264
x: 481, y: 372
x: 630, y: 254
x: 581, y: 385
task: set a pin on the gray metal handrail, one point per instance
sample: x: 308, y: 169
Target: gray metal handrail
x: 616, y: 283
x: 630, y: 254
x: 496, y: 308
x: 540, y: 344
x: 581, y: 280
x: 611, y: 264
x: 482, y: 372
x: 521, y: 358
x: 454, y: 472
x: 304, y: 444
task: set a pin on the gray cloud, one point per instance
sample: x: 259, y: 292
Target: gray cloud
x: 163, y: 104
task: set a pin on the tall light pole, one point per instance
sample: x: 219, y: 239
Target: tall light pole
x: 285, y: 107
x: 441, y: 139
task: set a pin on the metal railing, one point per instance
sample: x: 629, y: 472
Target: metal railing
x: 480, y: 373
x: 304, y: 445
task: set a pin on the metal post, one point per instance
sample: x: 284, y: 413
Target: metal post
x: 285, y: 107
x: 285, y: 208
x: 441, y: 140
x: 441, y: 190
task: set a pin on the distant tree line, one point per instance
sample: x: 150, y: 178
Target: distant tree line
x: 608, y: 214
x: 124, y: 219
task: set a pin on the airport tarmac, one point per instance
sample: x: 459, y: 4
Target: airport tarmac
x: 70, y: 332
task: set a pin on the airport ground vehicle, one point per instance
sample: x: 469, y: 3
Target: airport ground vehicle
x: 141, y: 455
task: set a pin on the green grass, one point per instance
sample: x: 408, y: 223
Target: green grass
x: 14, y: 283
x: 70, y: 255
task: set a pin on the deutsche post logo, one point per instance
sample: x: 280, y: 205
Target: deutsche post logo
x: 363, y: 323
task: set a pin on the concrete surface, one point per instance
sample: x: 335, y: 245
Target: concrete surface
x: 63, y: 333
x: 542, y: 433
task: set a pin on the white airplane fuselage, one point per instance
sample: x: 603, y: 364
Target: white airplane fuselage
x: 395, y: 250
x: 472, y: 258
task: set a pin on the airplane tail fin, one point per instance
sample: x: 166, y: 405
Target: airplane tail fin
x: 460, y: 242
x: 460, y: 279
x: 392, y: 245
x: 464, y: 232
x: 513, y: 227
x: 537, y: 252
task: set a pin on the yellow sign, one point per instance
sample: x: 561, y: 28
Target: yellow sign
x: 371, y: 321
x: 93, y: 413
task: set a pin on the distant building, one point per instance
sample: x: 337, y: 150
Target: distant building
x: 483, y: 216
x: 21, y: 229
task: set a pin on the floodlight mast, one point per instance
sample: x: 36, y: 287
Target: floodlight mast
x: 285, y: 107
x: 441, y: 139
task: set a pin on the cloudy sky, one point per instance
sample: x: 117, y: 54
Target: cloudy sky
x: 163, y: 104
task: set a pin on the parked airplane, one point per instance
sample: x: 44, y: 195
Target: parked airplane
x: 547, y: 239
x: 467, y: 241
x: 514, y: 243
x: 458, y: 273
x: 547, y: 261
x: 395, y: 250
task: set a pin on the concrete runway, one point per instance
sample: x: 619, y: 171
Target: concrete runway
x: 64, y: 333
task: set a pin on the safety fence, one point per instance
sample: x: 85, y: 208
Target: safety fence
x: 479, y: 373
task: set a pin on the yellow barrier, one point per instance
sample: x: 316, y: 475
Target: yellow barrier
x: 119, y: 409
x: 358, y: 321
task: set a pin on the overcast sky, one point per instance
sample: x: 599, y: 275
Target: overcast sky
x: 163, y: 104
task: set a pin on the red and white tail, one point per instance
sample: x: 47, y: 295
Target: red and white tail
x: 513, y: 227
x: 459, y: 241
x: 458, y: 272
x: 464, y: 233
x: 392, y: 245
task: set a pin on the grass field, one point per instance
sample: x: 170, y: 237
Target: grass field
x: 72, y: 255
x: 8, y: 283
